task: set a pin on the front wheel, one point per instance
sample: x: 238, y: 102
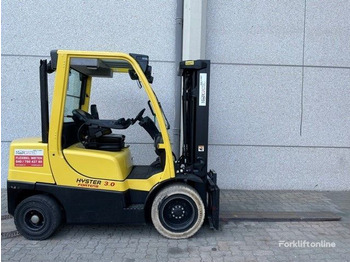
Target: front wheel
x: 37, y: 217
x: 178, y: 211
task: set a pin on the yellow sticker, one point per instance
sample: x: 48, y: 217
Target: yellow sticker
x: 189, y: 63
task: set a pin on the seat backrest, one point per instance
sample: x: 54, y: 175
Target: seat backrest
x: 87, y: 133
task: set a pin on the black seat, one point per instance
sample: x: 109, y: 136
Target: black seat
x: 112, y: 142
x: 95, y: 133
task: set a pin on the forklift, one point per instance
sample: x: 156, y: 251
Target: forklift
x: 81, y: 171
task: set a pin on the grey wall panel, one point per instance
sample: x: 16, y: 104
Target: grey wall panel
x: 326, y: 117
x: 5, y: 147
x: 143, y: 154
x: 279, y: 168
x: 255, y: 105
x: 327, y: 33
x: 36, y: 27
x: 250, y: 105
x: 20, y: 97
x: 268, y: 32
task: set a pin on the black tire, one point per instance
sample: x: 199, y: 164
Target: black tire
x: 178, y: 211
x: 37, y: 217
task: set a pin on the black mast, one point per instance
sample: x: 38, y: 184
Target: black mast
x: 196, y: 81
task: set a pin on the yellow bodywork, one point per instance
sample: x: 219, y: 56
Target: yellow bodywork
x: 23, y: 166
x: 99, y: 164
x: 88, y: 168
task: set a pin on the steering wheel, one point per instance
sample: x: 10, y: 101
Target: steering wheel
x: 138, y: 117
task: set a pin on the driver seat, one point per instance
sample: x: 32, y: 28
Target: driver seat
x: 93, y: 136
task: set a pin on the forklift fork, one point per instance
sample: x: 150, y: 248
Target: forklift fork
x: 213, y: 200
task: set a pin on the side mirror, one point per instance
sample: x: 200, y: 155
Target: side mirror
x: 148, y: 74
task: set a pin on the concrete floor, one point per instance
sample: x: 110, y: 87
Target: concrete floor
x: 235, y: 241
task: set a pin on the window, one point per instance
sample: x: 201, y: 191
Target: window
x: 73, y: 94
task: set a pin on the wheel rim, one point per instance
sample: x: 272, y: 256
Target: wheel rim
x: 178, y: 213
x: 34, y: 220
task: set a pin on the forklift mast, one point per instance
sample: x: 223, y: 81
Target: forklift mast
x: 195, y: 102
x: 194, y: 159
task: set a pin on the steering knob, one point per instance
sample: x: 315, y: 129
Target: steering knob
x: 138, y: 117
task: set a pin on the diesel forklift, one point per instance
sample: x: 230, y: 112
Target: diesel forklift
x: 81, y: 171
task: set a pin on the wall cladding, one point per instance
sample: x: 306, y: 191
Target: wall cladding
x: 280, y: 95
x: 281, y: 168
x: 36, y: 27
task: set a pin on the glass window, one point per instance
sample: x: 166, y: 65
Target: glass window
x: 73, y: 94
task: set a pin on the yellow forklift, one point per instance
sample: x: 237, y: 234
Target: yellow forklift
x: 80, y: 171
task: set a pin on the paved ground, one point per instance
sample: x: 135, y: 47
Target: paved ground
x: 235, y: 241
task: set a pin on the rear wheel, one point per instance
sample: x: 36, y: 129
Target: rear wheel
x: 178, y: 211
x: 37, y: 217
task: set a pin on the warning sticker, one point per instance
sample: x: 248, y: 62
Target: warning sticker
x: 29, y: 157
x: 202, y: 89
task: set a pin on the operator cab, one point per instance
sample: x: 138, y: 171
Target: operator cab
x: 87, y: 139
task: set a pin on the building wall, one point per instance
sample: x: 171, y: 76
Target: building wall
x: 280, y: 96
x: 280, y: 93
